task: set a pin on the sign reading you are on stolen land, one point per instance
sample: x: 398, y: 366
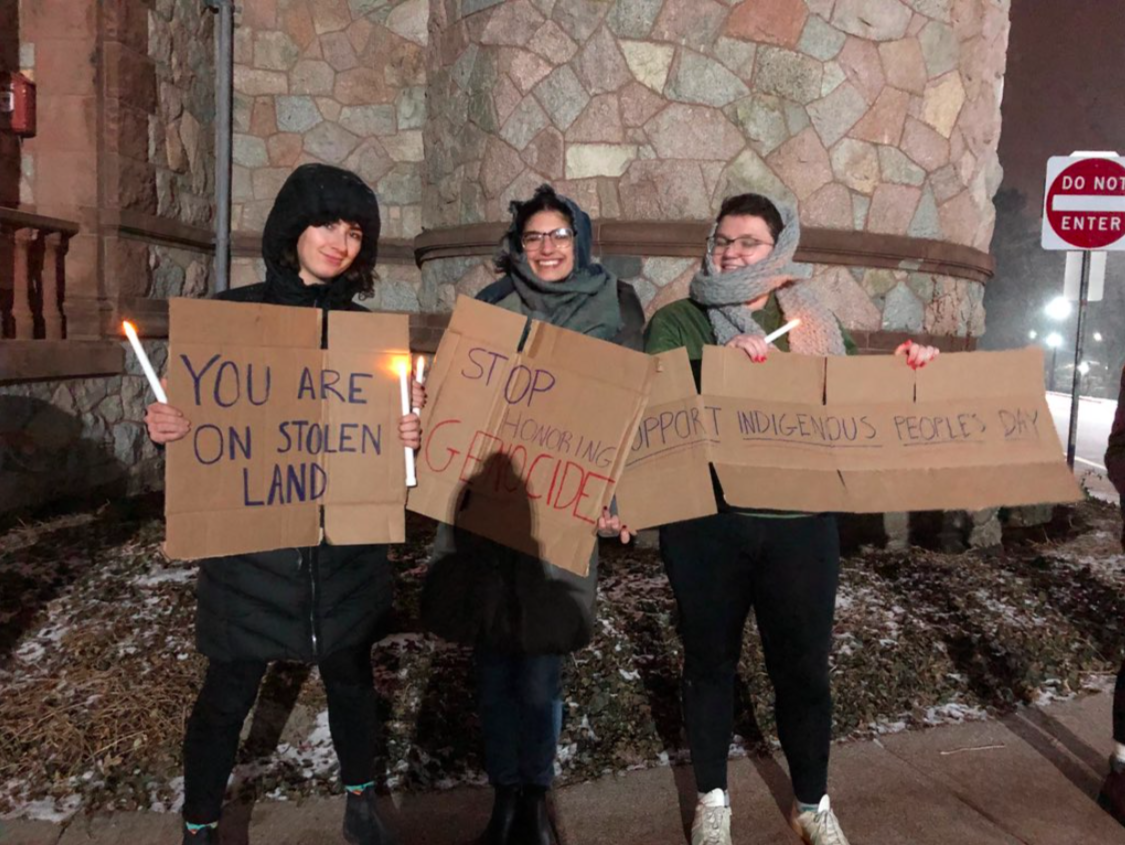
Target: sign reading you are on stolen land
x: 282, y: 431
x: 526, y: 446
x: 860, y: 435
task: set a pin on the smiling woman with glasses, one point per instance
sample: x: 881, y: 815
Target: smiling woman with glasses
x: 476, y: 587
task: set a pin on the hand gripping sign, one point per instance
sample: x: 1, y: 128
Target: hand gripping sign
x: 283, y: 430
x: 858, y: 435
x: 541, y: 431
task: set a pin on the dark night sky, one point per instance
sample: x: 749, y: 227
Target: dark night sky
x: 1064, y: 90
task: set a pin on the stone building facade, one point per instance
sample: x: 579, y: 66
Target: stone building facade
x: 111, y: 215
x: 342, y: 83
x: 879, y: 119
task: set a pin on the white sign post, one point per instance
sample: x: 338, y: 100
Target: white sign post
x: 1083, y: 212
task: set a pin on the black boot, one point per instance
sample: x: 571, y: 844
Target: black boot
x: 534, y: 822
x: 505, y: 802
x: 362, y: 825
x: 201, y: 836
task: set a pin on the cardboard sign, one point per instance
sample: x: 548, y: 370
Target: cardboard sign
x: 667, y: 475
x: 283, y: 430
x: 527, y: 447
x: 869, y: 435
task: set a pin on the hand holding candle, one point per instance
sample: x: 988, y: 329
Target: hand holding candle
x: 757, y: 347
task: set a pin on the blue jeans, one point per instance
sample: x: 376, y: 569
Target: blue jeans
x: 520, y: 701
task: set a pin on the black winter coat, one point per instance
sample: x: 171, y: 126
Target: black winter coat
x: 291, y: 604
x: 480, y: 593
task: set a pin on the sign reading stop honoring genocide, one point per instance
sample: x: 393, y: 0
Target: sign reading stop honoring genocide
x: 526, y: 444
x: 1085, y: 204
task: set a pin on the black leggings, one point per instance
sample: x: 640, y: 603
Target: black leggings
x: 786, y: 570
x: 229, y: 691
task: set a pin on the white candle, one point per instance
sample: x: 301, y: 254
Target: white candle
x: 146, y: 365
x: 404, y: 389
x: 420, y: 377
x: 788, y: 327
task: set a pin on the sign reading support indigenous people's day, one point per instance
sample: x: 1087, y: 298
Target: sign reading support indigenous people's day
x: 859, y: 435
x: 545, y: 430
x: 283, y: 430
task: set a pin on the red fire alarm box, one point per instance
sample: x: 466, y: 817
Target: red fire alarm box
x: 17, y: 104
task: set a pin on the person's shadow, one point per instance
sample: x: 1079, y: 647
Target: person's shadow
x: 481, y: 592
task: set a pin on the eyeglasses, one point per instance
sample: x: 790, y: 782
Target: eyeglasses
x: 562, y: 238
x: 720, y: 244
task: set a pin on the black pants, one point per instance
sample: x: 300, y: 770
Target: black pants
x: 521, y: 707
x: 786, y: 570
x: 228, y: 693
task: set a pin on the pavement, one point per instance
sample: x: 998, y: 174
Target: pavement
x: 1095, y: 418
x: 1028, y: 779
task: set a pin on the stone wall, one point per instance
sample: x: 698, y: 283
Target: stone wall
x: 77, y: 437
x: 337, y: 82
x: 180, y: 129
x: 874, y: 116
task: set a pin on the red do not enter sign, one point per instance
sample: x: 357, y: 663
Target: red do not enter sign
x: 1085, y: 205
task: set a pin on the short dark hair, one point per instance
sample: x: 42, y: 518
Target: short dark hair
x: 753, y: 205
x: 315, y: 195
x: 544, y: 199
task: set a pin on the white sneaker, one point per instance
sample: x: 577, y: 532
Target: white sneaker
x: 712, y: 820
x: 818, y: 827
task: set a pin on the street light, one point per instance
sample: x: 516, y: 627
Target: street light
x: 1054, y: 340
x: 1032, y: 334
x: 1058, y: 308
x: 1084, y: 368
x: 1098, y: 337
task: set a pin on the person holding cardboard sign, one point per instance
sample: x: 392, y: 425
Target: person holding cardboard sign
x: 520, y: 613
x: 784, y: 566
x: 323, y: 604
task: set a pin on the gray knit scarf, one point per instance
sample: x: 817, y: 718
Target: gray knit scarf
x: 726, y: 295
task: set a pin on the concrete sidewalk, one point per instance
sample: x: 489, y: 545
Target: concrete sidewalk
x: 1029, y: 779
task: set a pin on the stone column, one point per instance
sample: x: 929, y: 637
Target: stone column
x: 878, y: 118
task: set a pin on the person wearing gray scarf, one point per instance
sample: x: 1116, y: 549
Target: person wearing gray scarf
x: 520, y: 613
x: 728, y: 294
x: 784, y: 566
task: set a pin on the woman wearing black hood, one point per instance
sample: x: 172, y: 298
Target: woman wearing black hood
x: 322, y: 604
x: 521, y: 613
